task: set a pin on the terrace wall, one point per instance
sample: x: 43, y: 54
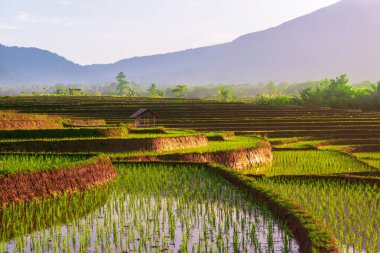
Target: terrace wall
x: 363, y: 148
x: 310, y: 233
x: 235, y: 159
x: 23, y: 187
x: 106, y: 145
x: 11, y: 121
x: 87, y: 122
x: 117, y: 132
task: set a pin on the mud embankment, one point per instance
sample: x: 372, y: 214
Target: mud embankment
x: 222, y: 137
x: 116, y: 132
x: 370, y: 177
x: 235, y: 159
x: 362, y: 148
x: 308, y: 231
x: 12, y: 120
x: 26, y: 186
x: 82, y: 122
x: 105, y: 145
x: 176, y: 143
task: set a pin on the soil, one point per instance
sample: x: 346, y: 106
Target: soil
x: 360, y: 177
x: 12, y: 121
x: 235, y: 159
x: 362, y: 148
x: 283, y: 213
x: 106, y: 145
x: 82, y: 122
x: 222, y: 137
x: 22, y: 187
x: 177, y: 143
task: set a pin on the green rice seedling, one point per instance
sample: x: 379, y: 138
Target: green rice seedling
x: 349, y: 209
x: 239, y: 142
x: 371, y: 158
x: 299, y: 144
x: 151, y: 207
x: 312, y: 162
x: 13, y: 163
x: 368, y: 155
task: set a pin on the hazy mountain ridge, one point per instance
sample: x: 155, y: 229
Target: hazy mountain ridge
x: 20, y: 65
x: 342, y: 38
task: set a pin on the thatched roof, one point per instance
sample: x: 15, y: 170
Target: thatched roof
x: 141, y: 112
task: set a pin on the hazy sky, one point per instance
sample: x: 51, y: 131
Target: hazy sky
x: 104, y: 31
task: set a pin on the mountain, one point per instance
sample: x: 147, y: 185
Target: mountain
x: 342, y: 38
x: 35, y: 66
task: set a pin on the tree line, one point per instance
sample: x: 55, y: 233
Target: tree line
x: 333, y: 93
x: 336, y: 93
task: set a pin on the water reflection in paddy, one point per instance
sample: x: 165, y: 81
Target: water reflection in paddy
x: 151, y: 208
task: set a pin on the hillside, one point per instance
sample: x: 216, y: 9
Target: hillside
x: 35, y: 66
x: 342, y: 38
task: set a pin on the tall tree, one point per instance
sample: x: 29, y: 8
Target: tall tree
x: 271, y: 89
x: 334, y: 93
x: 179, y: 90
x: 225, y: 93
x: 60, y: 90
x: 122, y: 84
x: 154, y: 91
x: 376, y: 96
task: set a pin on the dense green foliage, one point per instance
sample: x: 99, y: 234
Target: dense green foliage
x: 154, y: 91
x: 277, y: 100
x: 179, y: 90
x: 333, y: 93
x: 124, y: 88
x: 336, y: 93
x: 350, y: 209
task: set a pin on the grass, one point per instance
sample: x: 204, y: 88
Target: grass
x: 284, y: 140
x: 371, y: 158
x: 300, y: 144
x: 315, y: 237
x: 201, y: 114
x: 14, y: 163
x: 311, y: 162
x: 349, y: 209
x: 239, y: 142
x: 368, y: 155
x: 326, y: 201
x: 87, y: 132
x: 156, y: 207
x: 63, y: 133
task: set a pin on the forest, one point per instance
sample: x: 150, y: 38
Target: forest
x: 329, y: 92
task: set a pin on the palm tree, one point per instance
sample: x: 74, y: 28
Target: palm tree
x: 225, y: 93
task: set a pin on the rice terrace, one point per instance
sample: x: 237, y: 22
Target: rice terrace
x: 192, y: 126
x: 208, y: 177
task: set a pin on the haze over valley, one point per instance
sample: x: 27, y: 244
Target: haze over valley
x: 342, y: 38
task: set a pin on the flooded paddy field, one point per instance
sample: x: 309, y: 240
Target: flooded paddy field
x: 150, y: 208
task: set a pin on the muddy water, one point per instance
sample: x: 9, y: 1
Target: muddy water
x: 152, y: 208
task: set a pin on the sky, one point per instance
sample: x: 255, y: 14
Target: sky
x: 105, y: 31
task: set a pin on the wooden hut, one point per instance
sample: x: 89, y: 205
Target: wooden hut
x: 144, y: 118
